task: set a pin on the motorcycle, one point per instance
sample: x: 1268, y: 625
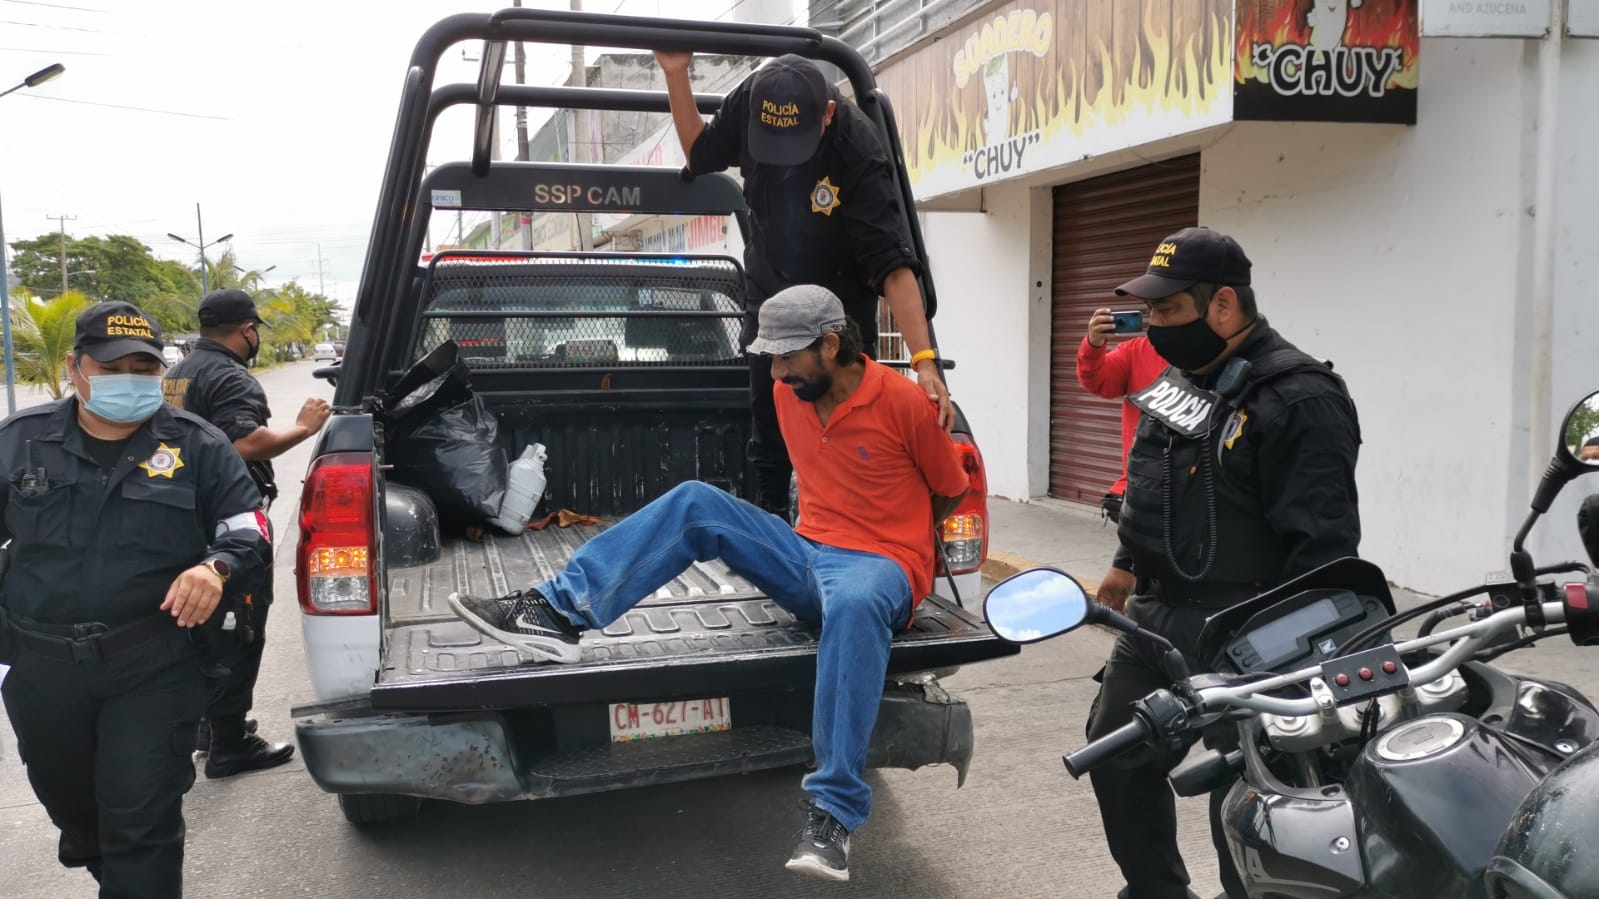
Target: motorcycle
x: 1366, y: 766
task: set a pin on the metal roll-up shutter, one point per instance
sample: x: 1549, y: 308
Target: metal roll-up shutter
x: 1106, y: 228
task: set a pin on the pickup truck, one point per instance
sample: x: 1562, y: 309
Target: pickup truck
x: 627, y: 368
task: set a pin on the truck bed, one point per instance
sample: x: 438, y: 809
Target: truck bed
x: 675, y: 643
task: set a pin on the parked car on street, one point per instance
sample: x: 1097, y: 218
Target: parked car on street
x: 326, y: 351
x: 171, y: 354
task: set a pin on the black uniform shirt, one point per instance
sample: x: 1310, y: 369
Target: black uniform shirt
x: 214, y: 384
x: 1285, y: 469
x: 89, y: 544
x: 833, y: 220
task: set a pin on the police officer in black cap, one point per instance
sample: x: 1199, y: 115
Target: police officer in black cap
x: 129, y: 522
x: 825, y: 209
x: 215, y: 383
x: 1241, y: 477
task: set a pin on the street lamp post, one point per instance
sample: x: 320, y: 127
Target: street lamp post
x: 34, y: 80
x: 202, y: 246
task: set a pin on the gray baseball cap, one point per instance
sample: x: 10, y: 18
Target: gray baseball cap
x: 795, y: 318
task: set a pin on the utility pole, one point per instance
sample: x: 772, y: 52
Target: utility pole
x: 62, y: 220
x: 321, y: 286
x: 523, y: 151
x: 585, y: 228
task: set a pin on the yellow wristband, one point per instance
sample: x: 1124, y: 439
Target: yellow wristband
x: 923, y: 355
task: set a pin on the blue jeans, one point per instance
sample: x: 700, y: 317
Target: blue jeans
x: 858, y: 598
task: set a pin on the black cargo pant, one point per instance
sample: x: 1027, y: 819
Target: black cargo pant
x: 234, y: 693
x: 768, y: 454
x: 106, y: 745
x: 1136, y: 803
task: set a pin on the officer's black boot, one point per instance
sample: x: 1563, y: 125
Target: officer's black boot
x: 202, y: 737
x: 235, y: 750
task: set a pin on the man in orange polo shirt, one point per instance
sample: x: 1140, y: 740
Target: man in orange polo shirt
x: 875, y: 470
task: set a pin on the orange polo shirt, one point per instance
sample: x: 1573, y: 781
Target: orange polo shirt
x: 866, y: 480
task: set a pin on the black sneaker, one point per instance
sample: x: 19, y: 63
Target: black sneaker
x: 823, y: 850
x: 524, y: 620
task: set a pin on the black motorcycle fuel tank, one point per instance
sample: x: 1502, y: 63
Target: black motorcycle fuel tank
x: 1433, y: 797
x: 1551, y: 840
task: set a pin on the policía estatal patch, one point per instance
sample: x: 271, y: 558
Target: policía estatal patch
x: 1176, y: 403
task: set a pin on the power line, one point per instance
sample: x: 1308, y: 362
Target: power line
x: 56, y: 27
x: 54, y: 5
x: 187, y: 115
x: 54, y: 52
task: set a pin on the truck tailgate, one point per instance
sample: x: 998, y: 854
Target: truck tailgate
x: 681, y: 642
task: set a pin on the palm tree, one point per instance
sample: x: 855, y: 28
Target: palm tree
x: 42, y: 333
x: 226, y: 272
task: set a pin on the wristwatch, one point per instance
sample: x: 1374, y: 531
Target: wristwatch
x: 219, y: 568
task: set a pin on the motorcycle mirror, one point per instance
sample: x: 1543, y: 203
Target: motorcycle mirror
x: 1037, y: 604
x: 1580, y: 433
x: 1576, y: 453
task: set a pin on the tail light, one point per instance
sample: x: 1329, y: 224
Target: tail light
x: 965, y: 532
x: 336, y: 567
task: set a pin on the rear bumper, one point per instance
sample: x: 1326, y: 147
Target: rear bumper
x: 478, y: 758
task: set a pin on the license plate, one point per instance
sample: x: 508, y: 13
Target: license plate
x: 647, y: 720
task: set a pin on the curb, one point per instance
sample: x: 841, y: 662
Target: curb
x: 1000, y: 565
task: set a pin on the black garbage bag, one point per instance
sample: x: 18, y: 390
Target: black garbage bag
x: 442, y: 440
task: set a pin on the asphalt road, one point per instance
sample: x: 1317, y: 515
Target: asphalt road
x: 1020, y: 827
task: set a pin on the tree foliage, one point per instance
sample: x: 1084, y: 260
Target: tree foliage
x: 116, y: 267
x: 41, y: 336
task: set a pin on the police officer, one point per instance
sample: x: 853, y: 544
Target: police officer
x: 825, y: 209
x: 128, y: 522
x: 1241, y: 476
x: 215, y: 383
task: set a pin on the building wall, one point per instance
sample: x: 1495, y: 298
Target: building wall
x: 1576, y: 318
x: 1401, y: 253
x: 988, y: 316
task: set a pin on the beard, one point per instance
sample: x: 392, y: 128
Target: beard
x: 811, y: 390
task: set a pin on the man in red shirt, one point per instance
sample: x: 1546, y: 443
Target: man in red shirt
x: 875, y: 470
x: 1114, y: 374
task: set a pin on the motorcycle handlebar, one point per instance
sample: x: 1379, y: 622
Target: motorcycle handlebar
x: 1467, y: 640
x: 1105, y: 748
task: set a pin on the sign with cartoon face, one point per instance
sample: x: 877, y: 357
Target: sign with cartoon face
x: 1326, y: 61
x: 1030, y: 85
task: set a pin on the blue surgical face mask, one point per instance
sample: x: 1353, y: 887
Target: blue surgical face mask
x: 124, y: 399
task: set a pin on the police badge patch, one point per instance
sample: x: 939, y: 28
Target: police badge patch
x: 163, y: 462
x: 824, y: 197
x: 1234, y: 428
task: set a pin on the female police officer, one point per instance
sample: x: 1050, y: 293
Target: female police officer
x: 126, y: 520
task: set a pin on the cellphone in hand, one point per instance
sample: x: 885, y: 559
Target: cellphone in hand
x: 1128, y: 322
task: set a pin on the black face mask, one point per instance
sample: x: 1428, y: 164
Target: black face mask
x: 1189, y: 347
x: 254, y: 345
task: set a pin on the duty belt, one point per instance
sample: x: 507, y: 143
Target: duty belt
x: 87, y: 642
x: 1174, y: 592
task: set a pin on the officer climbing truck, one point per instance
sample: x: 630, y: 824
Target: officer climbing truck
x: 627, y: 369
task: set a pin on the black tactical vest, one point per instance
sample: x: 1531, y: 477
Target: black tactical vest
x: 1192, y: 474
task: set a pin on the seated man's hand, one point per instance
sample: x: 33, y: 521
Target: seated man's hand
x: 1115, y: 588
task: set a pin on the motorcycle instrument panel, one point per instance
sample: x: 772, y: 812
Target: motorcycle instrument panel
x: 1301, y: 630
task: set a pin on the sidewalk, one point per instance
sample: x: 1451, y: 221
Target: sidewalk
x: 1077, y: 539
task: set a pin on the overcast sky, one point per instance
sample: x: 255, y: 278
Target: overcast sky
x: 274, y: 116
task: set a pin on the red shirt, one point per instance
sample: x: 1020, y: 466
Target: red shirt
x: 1115, y: 372
x: 866, y: 480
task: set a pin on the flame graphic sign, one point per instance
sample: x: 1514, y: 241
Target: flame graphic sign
x: 1025, y: 86
x: 1326, y: 61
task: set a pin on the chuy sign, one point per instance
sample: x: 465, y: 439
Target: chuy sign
x: 1335, y: 61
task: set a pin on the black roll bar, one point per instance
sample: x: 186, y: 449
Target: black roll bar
x: 396, y: 225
